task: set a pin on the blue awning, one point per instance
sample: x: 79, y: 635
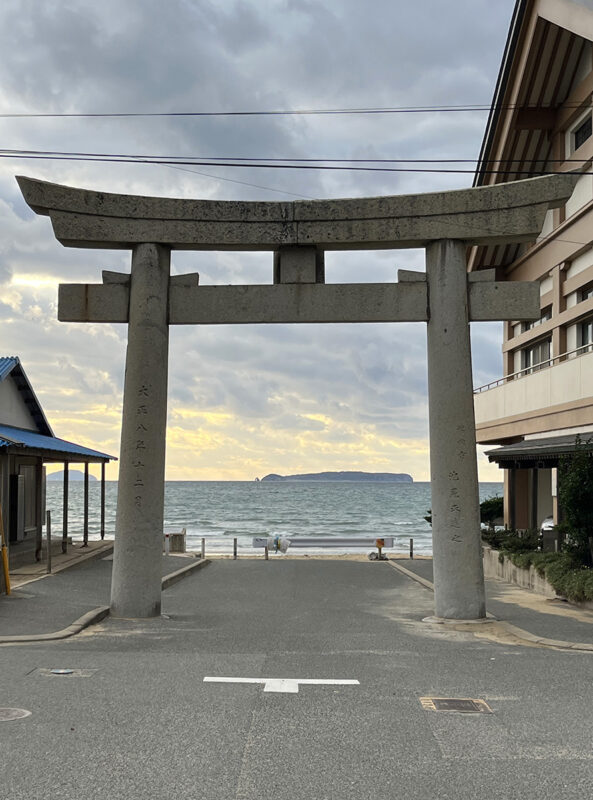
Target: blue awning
x: 18, y: 437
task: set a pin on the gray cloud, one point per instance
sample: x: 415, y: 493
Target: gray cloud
x: 146, y: 55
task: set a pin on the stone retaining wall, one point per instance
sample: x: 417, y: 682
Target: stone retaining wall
x: 526, y: 578
x: 507, y: 571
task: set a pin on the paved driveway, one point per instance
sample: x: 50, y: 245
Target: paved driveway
x: 142, y: 723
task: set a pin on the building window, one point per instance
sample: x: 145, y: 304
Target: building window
x: 585, y: 335
x: 546, y: 315
x: 582, y: 132
x: 536, y: 356
x: 586, y: 292
x: 579, y: 133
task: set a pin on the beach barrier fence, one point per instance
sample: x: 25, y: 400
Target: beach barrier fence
x: 281, y: 544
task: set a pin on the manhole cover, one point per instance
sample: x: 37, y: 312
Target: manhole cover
x: 8, y: 714
x: 465, y: 705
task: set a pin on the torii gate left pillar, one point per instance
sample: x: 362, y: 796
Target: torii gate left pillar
x: 444, y: 223
x: 140, y: 499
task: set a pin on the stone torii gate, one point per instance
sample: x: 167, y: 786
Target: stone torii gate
x: 446, y: 298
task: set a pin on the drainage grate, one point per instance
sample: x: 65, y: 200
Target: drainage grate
x: 465, y: 705
x: 8, y: 714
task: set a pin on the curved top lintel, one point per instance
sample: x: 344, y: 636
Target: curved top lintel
x: 503, y: 212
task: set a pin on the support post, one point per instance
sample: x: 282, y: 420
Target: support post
x: 102, y: 500
x: 136, y: 584
x: 38, y: 507
x: 85, y: 529
x: 457, y: 553
x: 48, y: 539
x: 513, y: 499
x: 65, y: 510
x: 533, y: 522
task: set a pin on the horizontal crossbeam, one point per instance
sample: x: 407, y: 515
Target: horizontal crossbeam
x: 298, y: 303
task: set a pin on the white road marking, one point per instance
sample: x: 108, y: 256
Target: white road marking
x: 289, y: 685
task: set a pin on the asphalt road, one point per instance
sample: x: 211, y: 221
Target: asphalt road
x: 142, y: 723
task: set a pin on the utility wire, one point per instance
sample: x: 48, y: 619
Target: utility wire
x: 241, y: 183
x: 466, y: 108
x: 277, y: 160
x: 267, y: 165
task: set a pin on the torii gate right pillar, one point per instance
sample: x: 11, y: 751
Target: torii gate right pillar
x: 457, y: 553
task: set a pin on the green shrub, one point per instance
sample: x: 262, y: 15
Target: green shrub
x: 575, y: 495
x: 510, y: 541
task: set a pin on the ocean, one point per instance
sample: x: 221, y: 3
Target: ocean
x: 222, y: 510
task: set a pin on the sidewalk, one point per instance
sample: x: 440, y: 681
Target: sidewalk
x: 527, y: 615
x: 74, y: 595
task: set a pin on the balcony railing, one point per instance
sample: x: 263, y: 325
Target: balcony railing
x: 513, y: 376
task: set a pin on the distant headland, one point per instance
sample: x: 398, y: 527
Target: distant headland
x: 370, y: 477
x: 73, y: 475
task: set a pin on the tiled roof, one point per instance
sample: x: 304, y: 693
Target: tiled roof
x: 550, y: 448
x: 7, y: 364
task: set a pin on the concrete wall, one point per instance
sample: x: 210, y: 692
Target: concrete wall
x: 563, y: 383
x: 13, y: 411
x: 582, y: 195
x: 526, y: 578
x: 580, y: 263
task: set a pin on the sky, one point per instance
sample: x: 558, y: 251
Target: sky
x: 243, y: 401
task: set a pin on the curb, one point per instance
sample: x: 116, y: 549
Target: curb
x: 179, y: 574
x: 519, y: 633
x: 97, y: 614
x: 90, y: 618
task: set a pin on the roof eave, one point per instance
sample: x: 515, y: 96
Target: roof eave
x: 501, y: 87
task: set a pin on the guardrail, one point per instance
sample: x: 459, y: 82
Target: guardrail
x: 512, y: 376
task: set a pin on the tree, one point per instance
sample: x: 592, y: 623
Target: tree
x: 575, y: 495
x: 490, y: 510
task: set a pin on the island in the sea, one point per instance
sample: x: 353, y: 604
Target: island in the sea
x: 370, y: 477
x: 73, y: 475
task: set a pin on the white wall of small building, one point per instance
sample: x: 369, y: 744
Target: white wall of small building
x: 13, y: 410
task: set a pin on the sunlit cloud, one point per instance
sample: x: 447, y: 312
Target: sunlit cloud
x: 242, y: 401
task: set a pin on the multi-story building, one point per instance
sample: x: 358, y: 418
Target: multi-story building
x: 540, y: 122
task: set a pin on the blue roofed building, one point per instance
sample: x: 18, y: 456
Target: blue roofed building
x: 27, y: 443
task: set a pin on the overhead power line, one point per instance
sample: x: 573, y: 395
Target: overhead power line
x: 356, y: 165
x: 230, y: 160
x: 466, y: 108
